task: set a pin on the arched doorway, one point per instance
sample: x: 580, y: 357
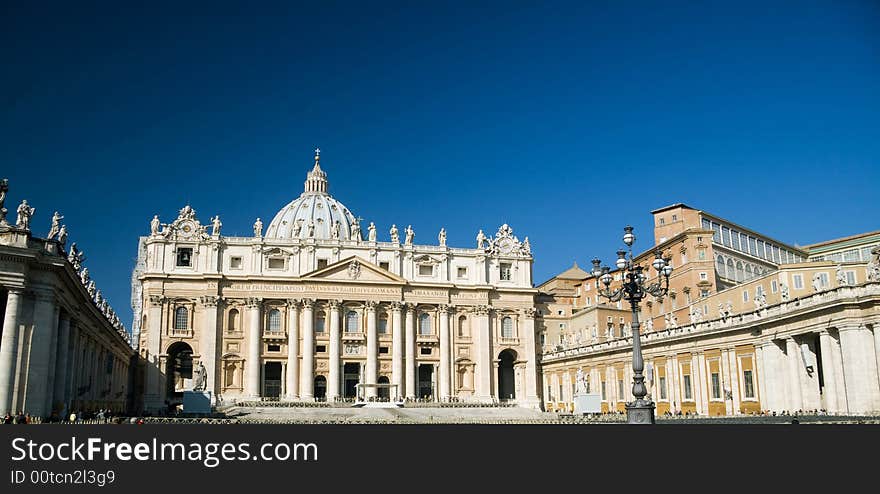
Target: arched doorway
x: 320, y: 388
x: 384, y: 393
x: 506, y: 380
x: 178, y: 370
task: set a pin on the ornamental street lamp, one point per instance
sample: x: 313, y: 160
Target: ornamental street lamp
x: 633, y: 290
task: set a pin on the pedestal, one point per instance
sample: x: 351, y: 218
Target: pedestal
x: 640, y: 412
x: 197, y: 402
x: 587, y: 403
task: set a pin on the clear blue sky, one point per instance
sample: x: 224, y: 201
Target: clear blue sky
x: 543, y: 115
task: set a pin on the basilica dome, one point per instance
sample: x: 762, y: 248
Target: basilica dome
x: 315, y: 213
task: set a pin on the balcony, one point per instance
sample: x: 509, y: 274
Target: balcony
x: 353, y: 336
x: 274, y: 335
x: 427, y: 339
x: 508, y: 341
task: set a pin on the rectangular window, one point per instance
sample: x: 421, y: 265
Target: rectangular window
x: 462, y: 273
x: 235, y: 263
x: 662, y: 384
x: 662, y: 221
x: 319, y: 325
x: 276, y: 263
x: 383, y: 350
x: 184, y: 256
x: 320, y: 348
x: 734, y: 235
x: 761, y: 249
x: 748, y: 385
x: 620, y: 395
x: 701, y: 254
x: 384, y: 265
x: 687, y: 387
x: 674, y: 217
x: 707, y: 225
x: 716, y: 386
x: 798, y: 281
x: 426, y: 270
x: 773, y: 286
x: 425, y: 351
x: 704, y: 292
x: 322, y: 263
x: 274, y: 348
x: 506, y: 274
x: 753, y: 246
x: 704, y: 276
x: 745, y: 295
x: 850, y: 277
x: 725, y: 236
x: 603, y: 391
x: 823, y: 280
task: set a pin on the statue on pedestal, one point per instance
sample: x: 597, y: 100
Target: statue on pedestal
x: 442, y: 237
x: 258, y: 228
x: 371, y: 232
x: 25, y: 212
x: 297, y: 228
x: 581, y: 382
x: 481, y: 240
x: 873, y: 270
x: 55, y: 228
x: 356, y: 230
x: 334, y: 230
x: 395, y: 239
x: 154, y: 225
x: 84, y: 276
x: 409, y: 235
x: 62, y: 235
x: 311, y: 229
x: 526, y: 247
x: 4, y: 188
x: 216, y: 225
x: 200, y: 377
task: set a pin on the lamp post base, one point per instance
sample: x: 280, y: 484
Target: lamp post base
x: 640, y: 412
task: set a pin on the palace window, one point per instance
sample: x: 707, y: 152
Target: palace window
x: 275, y: 320
x: 798, y: 281
x: 739, y: 271
x: 716, y: 386
x: 745, y: 295
x: 181, y: 318
x: 351, y: 322
x: 232, y: 320
x: 620, y: 395
x: 384, y: 265
x: 603, y: 391
x: 507, y: 327
x: 319, y: 324
x: 850, y: 277
x: 823, y: 280
x: 235, y: 262
x: 774, y: 286
x: 426, y: 270
x: 748, y: 271
x: 730, y: 270
x: 674, y: 217
x: 463, y: 329
x: 686, y: 379
x: 704, y: 292
x: 274, y: 348
x: 748, y: 384
x: 462, y: 273
x: 506, y: 271
x: 704, y: 276
x: 383, y: 350
x: 184, y: 256
x: 425, y: 324
x: 320, y: 348
x: 382, y: 327
x: 276, y: 263
x: 661, y: 382
x: 322, y: 263
x: 425, y: 351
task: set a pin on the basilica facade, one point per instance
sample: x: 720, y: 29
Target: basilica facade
x: 318, y: 307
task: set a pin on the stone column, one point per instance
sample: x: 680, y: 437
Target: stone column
x: 445, y: 350
x: 758, y: 375
x: 255, y: 347
x: 208, y: 343
x: 837, y: 360
x: 292, y: 376
x: 38, y: 364
x: 61, y: 362
x: 307, y: 371
x: 699, y: 383
x: 860, y: 369
x: 734, y: 381
x: 793, y: 359
x: 410, y: 351
x: 830, y: 391
x: 73, y: 365
x: 396, y: 349
x: 52, y: 361
x: 9, y: 351
x: 154, y: 394
x: 372, y: 370
x: 527, y: 331
x: 484, y: 354
x: 333, y: 379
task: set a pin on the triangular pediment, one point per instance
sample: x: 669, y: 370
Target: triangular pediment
x: 355, y: 269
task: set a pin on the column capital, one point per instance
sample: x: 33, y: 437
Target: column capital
x: 396, y: 306
x: 335, y: 304
x: 481, y: 310
x: 253, y: 302
x: 308, y: 303
x: 294, y: 303
x: 371, y: 305
x: 445, y: 308
x: 530, y: 312
x: 410, y: 307
x: 209, y: 300
x: 156, y: 300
